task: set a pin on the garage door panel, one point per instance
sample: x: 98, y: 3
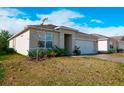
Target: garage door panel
x: 121, y: 45
x: 86, y: 47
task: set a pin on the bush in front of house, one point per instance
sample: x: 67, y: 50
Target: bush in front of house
x: 51, y: 53
x: 111, y: 51
x: 43, y: 53
x: 61, y: 51
x: 2, y: 53
x: 77, y: 51
x: 7, y: 51
x: 10, y: 50
x: 34, y: 53
x: 120, y: 50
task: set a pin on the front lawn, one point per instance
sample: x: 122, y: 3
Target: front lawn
x: 61, y: 71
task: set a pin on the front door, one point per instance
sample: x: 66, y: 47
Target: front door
x: 68, y: 42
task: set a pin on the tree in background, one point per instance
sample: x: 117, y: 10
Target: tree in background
x: 4, y: 36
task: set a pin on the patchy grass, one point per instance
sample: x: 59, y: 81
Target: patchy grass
x: 3, y: 57
x: 2, y: 73
x: 62, y: 71
x: 117, y: 54
x: 10, y: 57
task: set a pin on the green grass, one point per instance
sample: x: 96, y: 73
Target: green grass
x: 62, y: 71
x: 3, y: 57
x: 2, y: 72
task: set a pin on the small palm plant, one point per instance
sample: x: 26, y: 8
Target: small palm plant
x: 77, y: 51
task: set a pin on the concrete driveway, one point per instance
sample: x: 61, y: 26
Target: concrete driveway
x: 109, y: 58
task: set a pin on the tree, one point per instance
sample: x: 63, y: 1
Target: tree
x: 4, y: 36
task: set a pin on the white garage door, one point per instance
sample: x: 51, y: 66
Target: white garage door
x: 121, y: 45
x: 86, y: 47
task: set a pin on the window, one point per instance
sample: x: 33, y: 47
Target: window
x: 46, y: 39
x: 49, y: 36
x: 49, y: 44
x: 49, y: 40
x: 42, y: 36
x: 41, y: 44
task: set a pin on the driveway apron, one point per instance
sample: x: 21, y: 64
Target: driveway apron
x: 110, y: 58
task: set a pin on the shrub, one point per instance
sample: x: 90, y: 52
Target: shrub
x: 51, y: 53
x: 119, y: 50
x: 65, y: 52
x: 61, y: 51
x: 77, y: 51
x: 10, y: 50
x: 34, y: 53
x: 42, y: 53
x: 2, y: 52
x: 111, y: 51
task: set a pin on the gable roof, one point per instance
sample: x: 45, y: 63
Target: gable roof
x: 65, y: 28
x: 119, y: 38
x: 48, y: 27
x: 24, y: 30
x: 101, y: 37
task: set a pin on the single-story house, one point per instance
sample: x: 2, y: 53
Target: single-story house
x: 106, y: 43
x: 46, y: 36
x: 120, y: 40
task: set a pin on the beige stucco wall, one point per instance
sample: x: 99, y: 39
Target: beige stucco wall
x: 114, y: 43
x: 33, y: 38
x: 62, y: 33
x: 76, y: 36
x: 80, y: 36
x: 59, y: 38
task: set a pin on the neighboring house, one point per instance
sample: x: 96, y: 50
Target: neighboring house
x: 120, y: 40
x: 106, y: 43
x: 46, y: 36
